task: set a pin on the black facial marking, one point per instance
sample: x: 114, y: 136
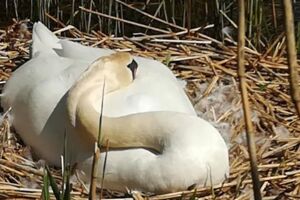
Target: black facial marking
x: 133, y: 67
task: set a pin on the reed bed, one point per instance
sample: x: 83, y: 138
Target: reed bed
x: 263, y: 18
x: 206, y: 64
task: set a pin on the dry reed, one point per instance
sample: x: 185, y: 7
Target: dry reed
x: 245, y: 100
x: 267, y: 83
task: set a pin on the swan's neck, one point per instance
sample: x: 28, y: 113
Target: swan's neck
x: 87, y: 81
x: 121, y: 132
x: 83, y: 100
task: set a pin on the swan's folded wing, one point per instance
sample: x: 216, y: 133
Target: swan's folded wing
x: 75, y: 50
x: 35, y: 92
x: 28, y: 75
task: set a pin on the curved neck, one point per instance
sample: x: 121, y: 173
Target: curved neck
x: 122, y: 132
x: 87, y: 81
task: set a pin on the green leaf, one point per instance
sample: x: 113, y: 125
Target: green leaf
x: 68, y: 188
x: 53, y: 185
x: 167, y: 60
x: 262, y: 87
x: 67, y: 192
x: 45, y: 191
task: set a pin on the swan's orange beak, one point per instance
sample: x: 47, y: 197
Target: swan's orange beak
x: 133, y: 67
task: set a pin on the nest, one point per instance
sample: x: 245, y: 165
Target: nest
x: 209, y: 70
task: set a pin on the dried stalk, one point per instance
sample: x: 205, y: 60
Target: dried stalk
x: 123, y: 20
x: 292, y: 53
x: 246, y: 106
x: 269, y: 87
x: 151, y: 16
x: 189, y: 15
x: 93, y: 186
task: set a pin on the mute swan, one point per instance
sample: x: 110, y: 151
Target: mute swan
x: 191, y: 150
x: 36, y: 91
x: 38, y: 95
x: 163, y: 91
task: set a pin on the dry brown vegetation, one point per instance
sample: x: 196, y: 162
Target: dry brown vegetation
x: 207, y: 65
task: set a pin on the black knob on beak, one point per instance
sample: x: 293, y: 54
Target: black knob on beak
x: 133, y: 67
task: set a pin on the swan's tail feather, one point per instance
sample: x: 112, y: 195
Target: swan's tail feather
x: 43, y: 40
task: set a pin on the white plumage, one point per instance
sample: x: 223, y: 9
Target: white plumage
x: 194, y: 152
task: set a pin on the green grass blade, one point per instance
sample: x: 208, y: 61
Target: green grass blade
x: 53, y: 185
x: 45, y: 191
x: 68, y: 187
x: 101, y: 116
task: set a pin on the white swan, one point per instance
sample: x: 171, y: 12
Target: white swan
x: 191, y: 150
x: 36, y: 90
x: 37, y: 94
x: 154, y: 89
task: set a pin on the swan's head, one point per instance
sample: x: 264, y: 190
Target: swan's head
x: 118, y: 68
x: 111, y: 73
x: 124, y: 59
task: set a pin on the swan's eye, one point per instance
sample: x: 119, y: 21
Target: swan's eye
x: 133, y: 67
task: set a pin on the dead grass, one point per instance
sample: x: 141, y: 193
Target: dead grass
x: 210, y: 62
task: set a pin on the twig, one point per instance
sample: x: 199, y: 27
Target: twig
x: 137, y: 43
x: 21, y: 167
x: 207, y: 189
x: 246, y: 107
x: 292, y: 53
x: 123, y: 20
x: 189, y: 15
x: 151, y: 16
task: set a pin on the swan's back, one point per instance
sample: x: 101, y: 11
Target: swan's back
x: 77, y: 51
x: 154, y: 89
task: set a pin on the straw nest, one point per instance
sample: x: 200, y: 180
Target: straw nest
x: 209, y: 70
